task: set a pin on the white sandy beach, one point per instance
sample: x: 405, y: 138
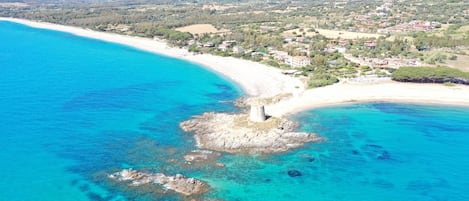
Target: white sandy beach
x: 260, y: 80
x: 386, y: 91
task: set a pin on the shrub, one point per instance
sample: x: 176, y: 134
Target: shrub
x: 320, y: 80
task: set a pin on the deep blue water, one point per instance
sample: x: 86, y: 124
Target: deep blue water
x: 74, y: 109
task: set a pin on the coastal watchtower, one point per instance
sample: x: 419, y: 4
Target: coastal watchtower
x: 257, y: 113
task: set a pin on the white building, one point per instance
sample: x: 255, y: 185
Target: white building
x: 238, y: 49
x: 297, y: 61
x: 223, y: 47
x: 279, y: 55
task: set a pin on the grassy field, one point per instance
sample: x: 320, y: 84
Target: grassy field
x: 400, y: 36
x: 458, y: 33
x: 201, y: 29
x: 462, y: 63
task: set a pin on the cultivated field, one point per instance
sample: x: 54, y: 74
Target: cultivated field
x: 201, y: 29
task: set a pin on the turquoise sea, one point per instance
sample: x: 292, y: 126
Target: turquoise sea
x: 74, y: 109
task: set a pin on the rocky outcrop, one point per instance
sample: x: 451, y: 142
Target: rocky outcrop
x: 178, y: 183
x: 234, y: 133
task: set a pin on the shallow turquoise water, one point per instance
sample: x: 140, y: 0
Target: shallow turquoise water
x: 71, y: 107
x: 74, y: 109
x: 374, y: 151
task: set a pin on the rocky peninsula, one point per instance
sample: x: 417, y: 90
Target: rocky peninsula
x: 237, y: 133
x: 178, y: 183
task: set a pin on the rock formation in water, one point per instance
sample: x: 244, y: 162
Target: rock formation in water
x: 201, y: 156
x: 235, y: 133
x: 294, y: 173
x: 178, y: 183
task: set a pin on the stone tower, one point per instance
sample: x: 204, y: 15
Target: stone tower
x: 257, y: 113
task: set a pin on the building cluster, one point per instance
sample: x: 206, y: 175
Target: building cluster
x: 416, y: 25
x: 224, y: 46
x: 383, y: 63
x: 292, y: 61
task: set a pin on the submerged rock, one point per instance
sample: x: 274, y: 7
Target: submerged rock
x: 201, y: 156
x: 178, y: 183
x: 374, y: 146
x: 234, y: 133
x: 294, y: 173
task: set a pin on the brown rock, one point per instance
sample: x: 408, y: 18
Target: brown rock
x: 234, y: 133
x: 178, y: 183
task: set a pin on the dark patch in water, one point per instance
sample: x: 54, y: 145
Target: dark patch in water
x: 84, y: 187
x: 425, y: 186
x: 394, y: 108
x: 294, y: 173
x: 384, y: 156
x: 374, y: 146
x: 375, y: 151
x: 224, y: 92
x: 355, y: 152
x: 419, y: 185
x: 74, y: 182
x: 97, y: 197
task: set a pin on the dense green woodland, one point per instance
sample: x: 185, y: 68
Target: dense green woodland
x: 431, y: 75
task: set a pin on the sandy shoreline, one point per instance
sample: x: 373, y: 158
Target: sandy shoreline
x: 255, y: 79
x: 385, y: 91
x: 260, y: 80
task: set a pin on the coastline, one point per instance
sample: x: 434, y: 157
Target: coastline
x: 258, y: 80
x: 254, y: 78
x: 384, y: 91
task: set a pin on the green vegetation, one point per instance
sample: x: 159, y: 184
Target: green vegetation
x: 176, y: 37
x: 320, y: 80
x: 424, y: 41
x: 430, y: 74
